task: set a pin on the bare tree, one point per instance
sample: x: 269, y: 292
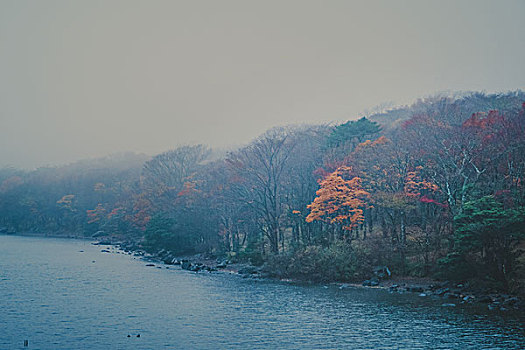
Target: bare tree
x: 260, y: 168
x: 165, y: 176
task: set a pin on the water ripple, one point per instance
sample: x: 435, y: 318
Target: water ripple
x: 59, y: 299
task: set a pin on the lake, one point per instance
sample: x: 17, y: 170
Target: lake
x: 67, y: 294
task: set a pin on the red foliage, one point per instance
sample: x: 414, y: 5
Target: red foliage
x: 425, y: 199
x: 483, y: 120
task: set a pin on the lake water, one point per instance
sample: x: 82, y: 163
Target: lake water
x: 67, y: 294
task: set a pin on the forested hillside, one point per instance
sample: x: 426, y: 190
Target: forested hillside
x: 433, y: 189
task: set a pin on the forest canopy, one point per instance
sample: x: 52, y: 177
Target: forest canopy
x: 432, y: 189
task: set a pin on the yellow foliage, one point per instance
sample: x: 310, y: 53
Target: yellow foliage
x: 339, y: 200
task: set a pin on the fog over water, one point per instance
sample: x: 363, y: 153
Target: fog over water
x: 87, y: 78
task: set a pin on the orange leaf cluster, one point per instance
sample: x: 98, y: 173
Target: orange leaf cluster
x: 114, y: 212
x: 414, y: 185
x: 96, y: 214
x: 368, y: 143
x: 339, y: 200
x: 66, y: 202
x: 188, y: 188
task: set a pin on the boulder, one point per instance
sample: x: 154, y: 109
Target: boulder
x: 451, y: 295
x: 415, y: 289
x: 168, y: 260
x: 221, y: 265
x: 442, y: 291
x: 448, y: 305
x: 248, y: 270
x: 511, y: 301
x: 373, y: 282
x: 382, y: 271
x: 394, y: 288
x: 468, y: 298
x: 185, y: 264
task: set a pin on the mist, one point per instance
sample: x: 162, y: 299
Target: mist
x: 89, y: 78
x: 235, y: 174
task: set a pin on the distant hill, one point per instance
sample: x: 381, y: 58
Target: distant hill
x: 456, y: 108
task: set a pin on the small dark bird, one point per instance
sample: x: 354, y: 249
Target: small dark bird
x: 129, y: 336
x: 138, y: 335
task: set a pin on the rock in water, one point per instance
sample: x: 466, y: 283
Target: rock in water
x: 248, y: 270
x: 448, y: 305
x: 185, y: 264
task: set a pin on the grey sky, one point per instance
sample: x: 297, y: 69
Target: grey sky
x: 87, y: 78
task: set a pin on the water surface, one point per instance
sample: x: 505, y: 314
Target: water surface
x: 67, y: 294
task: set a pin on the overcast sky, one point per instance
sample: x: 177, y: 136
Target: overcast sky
x: 81, y: 79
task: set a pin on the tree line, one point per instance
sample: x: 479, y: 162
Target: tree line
x: 432, y: 189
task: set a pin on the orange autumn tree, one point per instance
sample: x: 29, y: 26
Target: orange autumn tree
x: 340, y: 200
x: 416, y: 187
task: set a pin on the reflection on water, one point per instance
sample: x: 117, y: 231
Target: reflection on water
x: 66, y: 294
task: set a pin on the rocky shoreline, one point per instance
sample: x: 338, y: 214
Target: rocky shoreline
x: 451, y: 293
